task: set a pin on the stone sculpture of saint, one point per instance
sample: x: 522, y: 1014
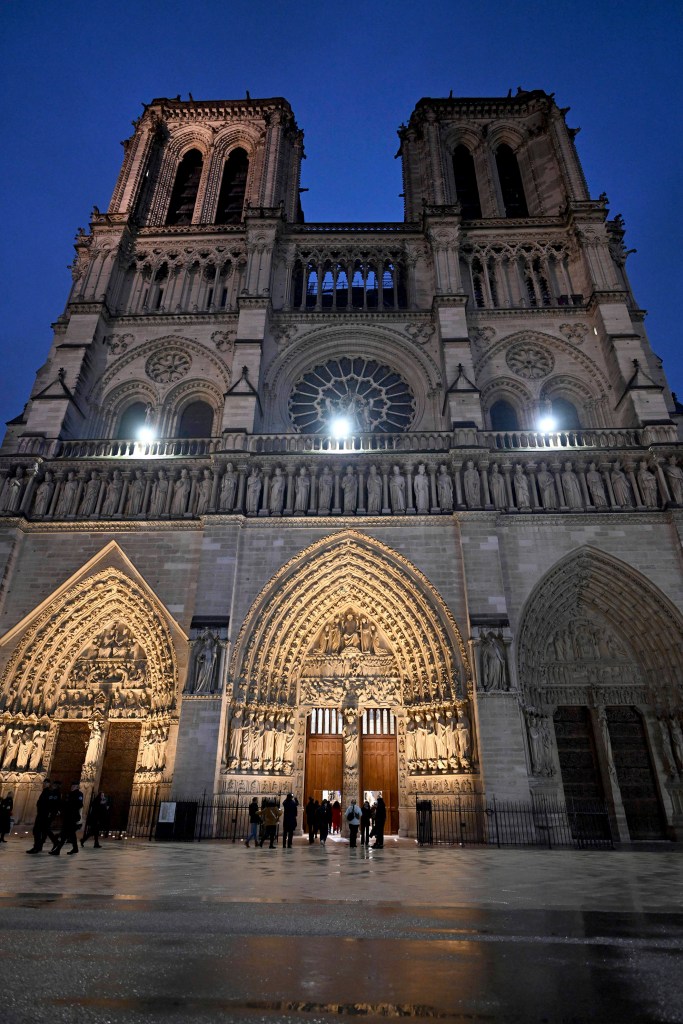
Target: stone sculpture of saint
x: 302, y: 490
x: 497, y: 485
x: 471, y: 485
x: 444, y: 490
x: 67, y: 498
x: 421, y: 488
x: 13, y: 491
x: 90, y: 494
x: 254, y: 485
x: 228, y: 489
x: 350, y: 740
x: 494, y: 667
x: 112, y: 498
x: 205, y: 662
x: 374, y: 485
x: 674, y: 475
x: 236, y: 727
x: 181, y: 492
x: 44, y: 495
x: 546, y: 483
x: 397, y: 490
x: 668, y: 758
x: 325, y: 487
x: 521, y: 488
x: 571, y: 487
x: 349, y: 485
x: 621, y: 486
x: 136, y: 494
x: 647, y: 482
x: 204, y: 490
x: 539, y: 744
x: 596, y: 487
x: 157, y: 505
x: 276, y: 498
x: 462, y: 737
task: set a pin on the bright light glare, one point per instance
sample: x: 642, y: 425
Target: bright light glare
x: 340, y: 428
x: 547, y: 424
x: 145, y: 435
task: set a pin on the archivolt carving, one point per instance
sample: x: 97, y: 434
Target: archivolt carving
x: 311, y: 591
x: 104, y: 644
x: 581, y: 641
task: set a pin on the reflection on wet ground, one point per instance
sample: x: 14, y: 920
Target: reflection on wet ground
x: 205, y: 932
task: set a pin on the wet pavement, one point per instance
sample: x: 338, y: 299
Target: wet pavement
x: 214, y: 932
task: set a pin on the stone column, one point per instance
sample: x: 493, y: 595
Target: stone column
x: 312, y: 498
x: 264, y: 510
x: 241, y: 484
x: 484, y: 476
x: 336, y: 503
x: 508, y: 488
x: 386, y: 510
x: 289, y: 507
x: 459, y: 503
x: 360, y: 508
x: 410, y: 497
x: 214, y: 490
x: 432, y: 488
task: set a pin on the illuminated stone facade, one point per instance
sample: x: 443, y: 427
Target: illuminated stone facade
x: 418, y: 483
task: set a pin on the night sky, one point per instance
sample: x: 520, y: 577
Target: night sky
x: 76, y: 73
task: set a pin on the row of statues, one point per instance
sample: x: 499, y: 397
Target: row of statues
x: 261, y: 740
x: 540, y: 748
x: 152, y: 752
x: 671, y: 736
x: 21, y: 747
x: 344, y: 490
x: 438, y: 740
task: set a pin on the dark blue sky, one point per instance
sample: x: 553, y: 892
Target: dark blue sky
x: 75, y: 73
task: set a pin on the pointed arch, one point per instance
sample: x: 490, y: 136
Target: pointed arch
x: 350, y: 567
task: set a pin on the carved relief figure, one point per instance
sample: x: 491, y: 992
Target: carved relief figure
x: 471, y: 485
x: 546, y: 483
x: 204, y: 489
x: 276, y: 498
x: 497, y: 485
x: 539, y: 743
x: 494, y: 667
x: 648, y: 485
x: 325, y: 491
x: 228, y: 489
x: 113, y: 495
x: 254, y: 485
x: 157, y: 505
x: 374, y: 492
x: 444, y: 489
x: 236, y: 729
x: 571, y: 487
x: 397, y: 490
x: 674, y: 475
x: 90, y: 494
x: 349, y: 485
x: 521, y: 488
x: 136, y: 494
x: 67, y: 498
x: 621, y: 487
x: 181, y: 492
x: 463, y: 738
x: 350, y: 740
x: 13, y: 491
x: 44, y: 495
x: 302, y: 492
x: 206, y: 656
x: 421, y: 487
x: 596, y: 487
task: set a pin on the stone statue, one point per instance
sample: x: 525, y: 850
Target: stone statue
x: 349, y: 485
x: 674, y: 475
x: 462, y: 737
x: 494, y: 667
x: 13, y: 491
x: 44, y: 495
x: 539, y: 744
x: 36, y: 756
x: 621, y: 486
x: 546, y: 483
x: 228, y: 489
x: 647, y: 482
x: 350, y: 740
x: 157, y: 505
x: 290, y: 733
x: 181, y: 492
x: 136, y: 494
x: 236, y: 728
x: 571, y: 487
x: 302, y: 491
x: 677, y: 742
x: 596, y: 487
x: 521, y: 488
x: 421, y: 488
x: 668, y: 758
x: 67, y: 498
x: 397, y: 490
x: 444, y: 489
x: 204, y: 491
x: 276, y: 498
x: 112, y: 498
x: 497, y: 485
x: 471, y: 485
x: 374, y: 492
x: 90, y: 495
x: 254, y: 485
x: 325, y: 491
x: 205, y: 658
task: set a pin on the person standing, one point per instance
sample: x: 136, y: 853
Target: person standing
x: 365, y: 820
x: 380, y: 821
x: 97, y: 820
x: 47, y: 808
x: 336, y: 818
x: 353, y: 815
x: 71, y: 821
x: 310, y: 818
x: 271, y: 814
x: 6, y: 805
x: 254, y: 822
x: 290, y: 808
x: 323, y: 817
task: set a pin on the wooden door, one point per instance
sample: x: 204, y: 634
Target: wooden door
x: 324, y: 768
x: 118, y: 770
x: 69, y: 755
x: 380, y: 772
x: 576, y: 752
x: 635, y: 774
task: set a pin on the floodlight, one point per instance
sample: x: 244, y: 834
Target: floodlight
x: 340, y: 428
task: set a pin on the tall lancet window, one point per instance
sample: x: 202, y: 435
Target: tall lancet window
x: 233, y: 188
x: 466, y: 183
x: 511, y: 186
x: 184, y: 195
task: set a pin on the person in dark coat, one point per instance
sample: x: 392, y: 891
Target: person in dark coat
x: 290, y: 808
x: 47, y: 809
x: 6, y: 805
x: 271, y: 814
x: 97, y: 820
x: 310, y: 818
x: 380, y: 821
x: 323, y: 819
x: 365, y: 822
x: 254, y: 822
x: 71, y: 820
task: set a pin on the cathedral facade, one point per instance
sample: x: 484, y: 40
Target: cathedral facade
x: 348, y: 507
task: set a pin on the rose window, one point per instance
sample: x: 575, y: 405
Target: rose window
x: 371, y: 395
x: 530, y: 361
x: 166, y: 367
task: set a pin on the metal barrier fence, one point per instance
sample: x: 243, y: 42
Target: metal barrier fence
x: 477, y: 821
x: 190, y: 819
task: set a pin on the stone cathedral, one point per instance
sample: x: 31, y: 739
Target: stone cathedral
x: 348, y: 507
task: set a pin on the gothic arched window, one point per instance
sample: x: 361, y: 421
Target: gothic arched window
x: 184, y: 194
x: 503, y: 416
x: 196, y: 420
x: 511, y: 186
x: 233, y: 188
x: 466, y: 188
x: 132, y: 419
x: 565, y: 415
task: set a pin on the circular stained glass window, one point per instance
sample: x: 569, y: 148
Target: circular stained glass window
x: 372, y: 396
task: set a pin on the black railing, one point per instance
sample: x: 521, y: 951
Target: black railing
x: 477, y: 821
x: 220, y: 816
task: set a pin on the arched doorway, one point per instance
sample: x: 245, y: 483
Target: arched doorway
x: 354, y: 650
x: 599, y: 663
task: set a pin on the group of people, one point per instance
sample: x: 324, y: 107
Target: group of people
x: 53, y: 808
x: 322, y: 818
